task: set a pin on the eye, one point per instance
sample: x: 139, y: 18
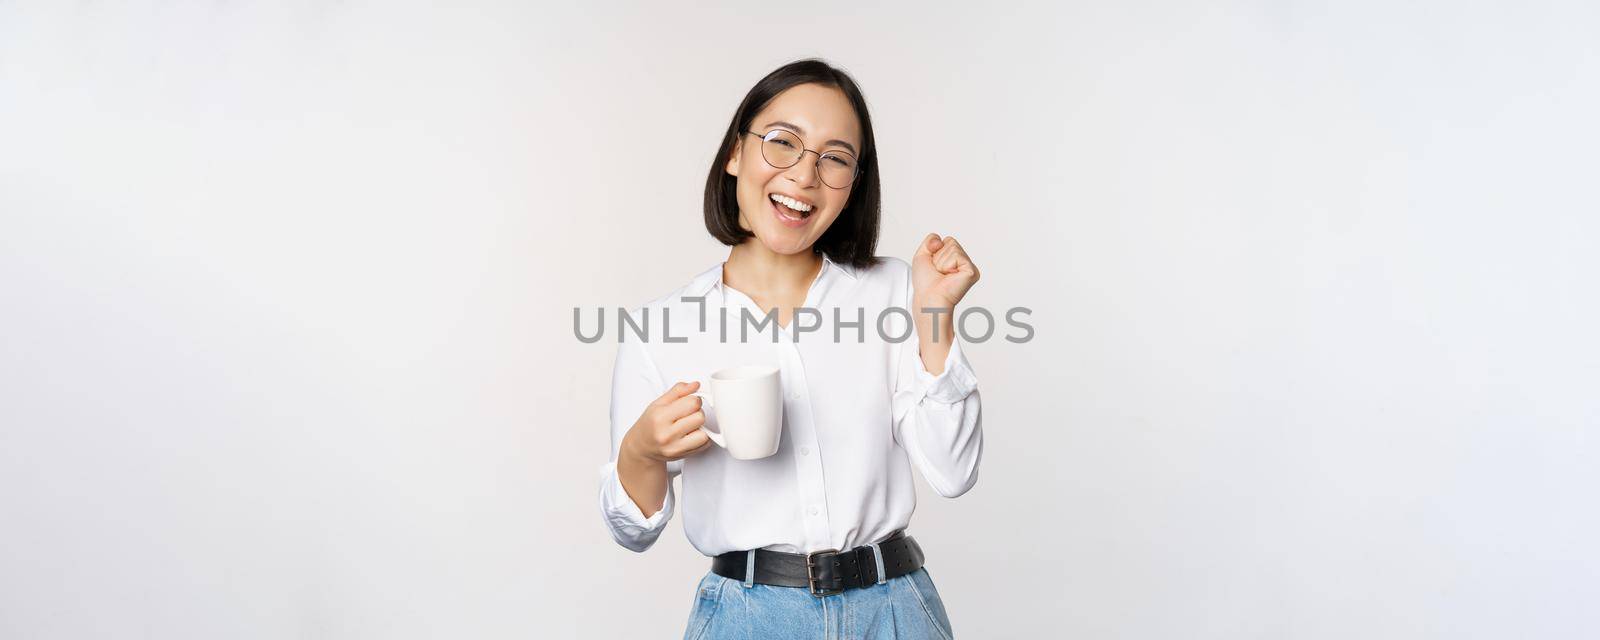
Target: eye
x: 842, y: 161
x: 775, y: 139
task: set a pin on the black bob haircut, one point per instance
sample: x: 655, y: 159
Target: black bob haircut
x: 853, y: 237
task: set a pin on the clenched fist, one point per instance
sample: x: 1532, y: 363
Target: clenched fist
x: 941, y: 272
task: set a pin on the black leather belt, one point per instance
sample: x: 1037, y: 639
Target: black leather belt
x: 827, y: 572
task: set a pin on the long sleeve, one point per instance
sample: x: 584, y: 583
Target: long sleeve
x: 634, y: 384
x: 939, y: 419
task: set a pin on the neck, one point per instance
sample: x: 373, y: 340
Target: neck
x: 753, y: 267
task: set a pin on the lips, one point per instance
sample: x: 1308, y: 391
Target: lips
x: 789, y: 217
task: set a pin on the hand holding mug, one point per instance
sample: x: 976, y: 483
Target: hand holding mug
x: 669, y: 428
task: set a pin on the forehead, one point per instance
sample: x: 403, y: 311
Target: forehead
x: 823, y: 112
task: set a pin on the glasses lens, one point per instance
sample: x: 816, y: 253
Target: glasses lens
x: 781, y: 148
x: 837, y: 169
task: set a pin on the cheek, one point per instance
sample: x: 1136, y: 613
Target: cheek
x: 839, y: 202
x: 748, y: 192
x: 754, y: 183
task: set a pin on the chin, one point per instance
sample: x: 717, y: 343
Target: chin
x: 785, y: 248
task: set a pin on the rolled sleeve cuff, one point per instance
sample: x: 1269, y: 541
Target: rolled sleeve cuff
x: 952, y: 385
x: 628, y: 524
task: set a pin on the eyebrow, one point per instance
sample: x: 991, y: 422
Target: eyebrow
x: 788, y: 125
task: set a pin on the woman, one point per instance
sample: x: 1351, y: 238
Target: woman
x: 794, y: 190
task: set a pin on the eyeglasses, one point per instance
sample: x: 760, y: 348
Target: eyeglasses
x: 782, y: 149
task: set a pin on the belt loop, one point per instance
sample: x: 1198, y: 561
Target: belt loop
x: 877, y: 556
x: 750, y: 568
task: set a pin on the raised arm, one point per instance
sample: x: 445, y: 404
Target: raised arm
x: 937, y: 409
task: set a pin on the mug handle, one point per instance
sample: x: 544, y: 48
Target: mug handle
x: 707, y: 403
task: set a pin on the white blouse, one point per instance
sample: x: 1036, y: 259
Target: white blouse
x: 858, y: 411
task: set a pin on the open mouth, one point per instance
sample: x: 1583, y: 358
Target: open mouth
x: 790, y: 211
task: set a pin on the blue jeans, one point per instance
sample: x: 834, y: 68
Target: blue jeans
x: 905, y: 607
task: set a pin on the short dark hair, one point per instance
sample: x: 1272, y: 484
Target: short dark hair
x: 853, y: 237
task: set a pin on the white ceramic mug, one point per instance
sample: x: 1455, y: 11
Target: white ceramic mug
x: 744, y: 410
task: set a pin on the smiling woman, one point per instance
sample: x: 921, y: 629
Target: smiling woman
x: 807, y: 100
x: 807, y: 541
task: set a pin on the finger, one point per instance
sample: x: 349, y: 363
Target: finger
x: 964, y: 264
x: 959, y: 254
x: 682, y: 407
x: 701, y: 436
x: 950, y: 242
x: 962, y: 260
x: 946, y: 259
x: 695, y: 441
x: 678, y: 391
x: 682, y: 426
x: 930, y: 244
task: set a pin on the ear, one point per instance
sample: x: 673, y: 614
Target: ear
x: 733, y: 158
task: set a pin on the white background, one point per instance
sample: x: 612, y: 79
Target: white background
x: 286, y: 346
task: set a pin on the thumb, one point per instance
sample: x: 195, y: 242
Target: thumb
x: 930, y: 245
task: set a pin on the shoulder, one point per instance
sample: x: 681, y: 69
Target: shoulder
x: 890, y: 266
x: 686, y: 293
x: 685, y: 301
x: 885, y: 282
x: 886, y: 269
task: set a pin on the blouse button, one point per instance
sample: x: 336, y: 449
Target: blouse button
x: 805, y: 451
x: 813, y: 511
x: 793, y: 395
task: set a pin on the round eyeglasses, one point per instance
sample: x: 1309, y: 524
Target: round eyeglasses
x: 782, y: 149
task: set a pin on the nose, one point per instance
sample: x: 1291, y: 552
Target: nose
x: 804, y: 172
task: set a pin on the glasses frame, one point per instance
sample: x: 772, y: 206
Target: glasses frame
x: 855, y: 163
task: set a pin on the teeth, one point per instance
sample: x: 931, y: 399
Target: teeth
x: 790, y: 202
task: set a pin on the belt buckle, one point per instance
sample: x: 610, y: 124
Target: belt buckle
x: 811, y: 578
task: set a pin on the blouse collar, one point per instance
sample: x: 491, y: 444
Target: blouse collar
x: 712, y: 278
